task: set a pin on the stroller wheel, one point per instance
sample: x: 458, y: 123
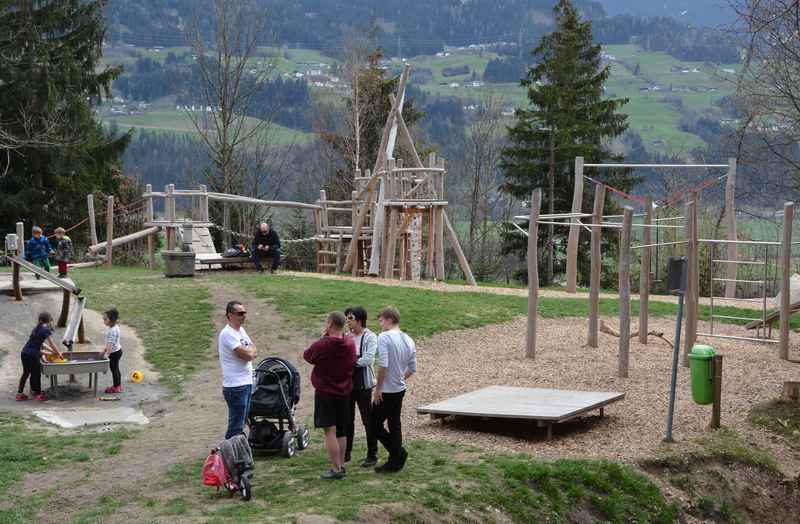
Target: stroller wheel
x: 244, y: 487
x: 288, y: 448
x: 303, y: 436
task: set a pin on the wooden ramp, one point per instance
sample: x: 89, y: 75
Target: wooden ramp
x: 545, y: 406
x: 773, y: 317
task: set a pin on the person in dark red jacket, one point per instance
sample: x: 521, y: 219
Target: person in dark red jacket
x: 333, y: 357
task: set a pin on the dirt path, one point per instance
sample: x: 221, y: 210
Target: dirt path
x: 181, y: 431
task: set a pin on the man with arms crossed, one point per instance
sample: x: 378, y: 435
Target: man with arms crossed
x: 397, y: 361
x: 333, y: 357
x: 236, y: 355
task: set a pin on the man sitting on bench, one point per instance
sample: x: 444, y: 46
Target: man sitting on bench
x: 266, y: 244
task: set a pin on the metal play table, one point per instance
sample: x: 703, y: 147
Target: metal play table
x: 78, y: 362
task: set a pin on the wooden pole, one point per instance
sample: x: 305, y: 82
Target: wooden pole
x: 644, y: 273
x: 439, y: 256
x: 391, y: 245
x: 597, y: 265
x: 786, y: 273
x: 429, y: 271
x: 462, y: 260
x: 691, y: 305
x: 625, y: 293
x: 575, y: 229
x: 716, y: 409
x: 323, y: 201
x: 533, y: 273
x: 339, y: 246
x: 730, y: 224
x: 92, y: 223
x: 403, y: 246
x: 151, y: 250
x: 62, y: 318
x: 354, y: 241
x: 15, y: 277
x: 204, y: 204
x: 109, y: 230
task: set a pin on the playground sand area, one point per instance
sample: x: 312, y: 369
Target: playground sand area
x: 458, y: 362
x: 16, y: 322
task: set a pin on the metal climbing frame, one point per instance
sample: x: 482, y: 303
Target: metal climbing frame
x: 764, y: 330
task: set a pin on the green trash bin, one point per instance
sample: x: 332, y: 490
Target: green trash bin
x: 702, y: 373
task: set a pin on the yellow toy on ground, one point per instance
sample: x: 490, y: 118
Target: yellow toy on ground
x: 137, y: 376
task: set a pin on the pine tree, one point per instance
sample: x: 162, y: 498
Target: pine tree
x: 566, y: 117
x: 50, y: 77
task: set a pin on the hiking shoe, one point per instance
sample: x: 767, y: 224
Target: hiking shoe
x: 386, y: 468
x: 403, y: 458
x: 22, y: 396
x: 41, y: 397
x: 62, y: 275
x: 369, y: 462
x: 114, y: 389
x: 332, y: 475
x: 346, y: 459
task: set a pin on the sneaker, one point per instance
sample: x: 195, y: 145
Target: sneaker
x: 369, y: 462
x: 332, y: 475
x: 118, y: 389
x: 62, y: 275
x: 346, y: 459
x: 41, y: 397
x: 111, y: 390
x: 22, y: 396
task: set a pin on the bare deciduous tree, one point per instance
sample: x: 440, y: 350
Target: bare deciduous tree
x: 229, y: 82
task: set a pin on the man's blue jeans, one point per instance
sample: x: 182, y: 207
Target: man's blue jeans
x: 238, y: 400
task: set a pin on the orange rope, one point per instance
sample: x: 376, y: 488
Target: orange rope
x: 623, y: 194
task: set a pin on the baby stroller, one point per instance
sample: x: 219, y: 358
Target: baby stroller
x: 276, y: 392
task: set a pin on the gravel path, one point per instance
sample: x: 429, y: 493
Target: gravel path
x: 461, y: 361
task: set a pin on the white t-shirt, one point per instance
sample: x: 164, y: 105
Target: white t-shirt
x: 398, y: 353
x: 235, y: 371
x: 112, y: 338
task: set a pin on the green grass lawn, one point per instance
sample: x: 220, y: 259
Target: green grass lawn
x: 33, y: 449
x: 307, y: 300
x: 179, y: 121
x: 453, y: 483
x: 171, y: 316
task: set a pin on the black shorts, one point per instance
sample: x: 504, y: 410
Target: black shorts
x: 332, y: 411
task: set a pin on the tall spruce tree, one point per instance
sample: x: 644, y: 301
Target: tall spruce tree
x: 566, y: 117
x: 50, y: 77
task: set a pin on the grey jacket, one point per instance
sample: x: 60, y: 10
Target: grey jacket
x: 233, y: 450
x: 366, y: 357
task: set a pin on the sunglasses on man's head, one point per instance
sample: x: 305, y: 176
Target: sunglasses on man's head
x: 240, y: 313
x: 350, y: 317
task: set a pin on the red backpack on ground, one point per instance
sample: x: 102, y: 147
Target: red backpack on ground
x: 214, y: 471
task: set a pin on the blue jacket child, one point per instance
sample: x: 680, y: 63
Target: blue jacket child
x: 38, y: 249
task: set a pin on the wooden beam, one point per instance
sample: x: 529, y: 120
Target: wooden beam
x: 20, y: 228
x: 462, y: 260
x: 63, y: 284
x: 716, y: 409
x: 92, y: 218
x: 596, y: 266
x: 151, y: 250
x: 730, y: 225
x: 533, y: 273
x: 575, y: 229
x: 429, y: 271
x: 109, y: 230
x: 15, y: 276
x: 786, y: 273
x: 625, y: 293
x: 644, y: 272
x: 238, y: 199
x: 125, y: 239
x: 439, y: 234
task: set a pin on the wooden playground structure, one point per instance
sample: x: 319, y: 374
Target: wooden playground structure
x: 596, y: 222
x: 394, y: 225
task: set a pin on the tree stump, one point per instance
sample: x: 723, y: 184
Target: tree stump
x: 791, y: 391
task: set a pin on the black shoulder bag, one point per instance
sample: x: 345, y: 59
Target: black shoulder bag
x: 358, y: 372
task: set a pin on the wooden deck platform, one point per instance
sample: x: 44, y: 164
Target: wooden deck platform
x: 545, y: 406
x: 29, y: 284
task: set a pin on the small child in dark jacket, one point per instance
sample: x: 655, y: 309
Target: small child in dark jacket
x: 38, y: 250
x: 63, y: 251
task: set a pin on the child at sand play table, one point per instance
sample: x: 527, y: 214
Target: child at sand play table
x: 113, y: 349
x: 40, y: 342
